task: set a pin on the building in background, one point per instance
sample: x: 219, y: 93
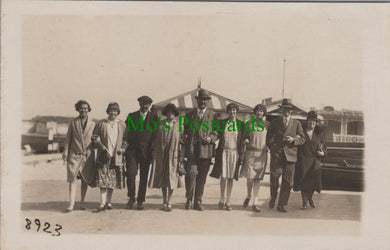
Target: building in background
x: 187, y: 101
x: 273, y: 109
x: 44, y: 134
x: 343, y: 125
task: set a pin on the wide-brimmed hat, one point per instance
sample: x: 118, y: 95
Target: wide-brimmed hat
x: 145, y: 99
x: 312, y: 115
x: 232, y: 106
x: 286, y: 104
x: 203, y: 94
x: 170, y: 107
x: 113, y: 105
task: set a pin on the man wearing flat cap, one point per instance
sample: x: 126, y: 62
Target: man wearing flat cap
x: 139, y: 152
x: 283, y: 136
x: 199, y: 149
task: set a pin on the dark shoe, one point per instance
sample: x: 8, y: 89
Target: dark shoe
x: 130, y: 204
x: 311, y: 202
x: 304, y: 207
x: 83, y: 206
x: 256, y: 208
x: 246, y: 202
x: 220, y: 205
x: 140, y: 206
x: 228, y: 207
x: 199, y: 207
x: 188, y: 204
x: 271, y: 203
x: 101, y: 208
x: 168, y: 208
x: 164, y: 207
x: 108, y: 206
x: 282, y: 209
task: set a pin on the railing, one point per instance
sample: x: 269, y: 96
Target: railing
x: 348, y: 138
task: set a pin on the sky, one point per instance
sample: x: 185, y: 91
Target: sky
x: 237, y: 53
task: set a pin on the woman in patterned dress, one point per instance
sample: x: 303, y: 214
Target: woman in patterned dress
x: 108, y: 139
x: 228, y: 153
x: 255, y: 156
x: 77, y: 151
x: 167, y: 154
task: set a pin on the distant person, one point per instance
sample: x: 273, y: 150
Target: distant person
x: 308, y: 170
x: 199, y: 149
x: 228, y: 154
x: 77, y: 150
x: 168, y: 156
x: 107, y: 138
x: 255, y: 156
x: 139, y: 151
x: 283, y: 136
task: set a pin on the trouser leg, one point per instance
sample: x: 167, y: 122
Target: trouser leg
x: 143, y: 180
x: 132, y: 168
x: 203, y: 170
x: 190, y: 179
x: 274, y: 182
x: 287, y: 183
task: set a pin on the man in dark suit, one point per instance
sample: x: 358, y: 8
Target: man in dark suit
x: 199, y: 148
x: 283, y: 137
x: 139, y: 134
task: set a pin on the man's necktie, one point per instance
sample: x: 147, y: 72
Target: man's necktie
x: 201, y: 114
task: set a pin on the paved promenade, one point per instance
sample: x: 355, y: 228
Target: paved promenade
x: 45, y: 195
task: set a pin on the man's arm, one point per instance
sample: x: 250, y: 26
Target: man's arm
x: 299, y: 139
x: 270, y: 136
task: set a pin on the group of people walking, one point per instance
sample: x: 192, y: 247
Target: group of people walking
x: 110, y: 154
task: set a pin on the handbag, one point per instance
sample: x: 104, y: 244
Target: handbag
x: 181, y: 168
x: 104, y: 157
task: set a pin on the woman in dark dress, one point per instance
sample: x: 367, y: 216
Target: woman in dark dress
x: 307, y: 177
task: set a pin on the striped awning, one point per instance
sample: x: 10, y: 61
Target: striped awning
x: 188, y: 101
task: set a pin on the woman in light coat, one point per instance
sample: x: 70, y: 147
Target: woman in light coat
x: 108, y: 139
x: 168, y: 154
x: 77, y: 150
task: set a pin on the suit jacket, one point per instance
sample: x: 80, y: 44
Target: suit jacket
x: 217, y: 169
x: 140, y: 138
x: 101, y: 131
x: 195, y: 149
x: 276, y: 133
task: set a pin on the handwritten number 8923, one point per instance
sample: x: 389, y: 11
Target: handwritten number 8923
x: 46, y: 226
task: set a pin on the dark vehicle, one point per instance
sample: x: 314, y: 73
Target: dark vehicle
x: 343, y: 168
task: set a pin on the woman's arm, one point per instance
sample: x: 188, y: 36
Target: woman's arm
x: 68, y: 139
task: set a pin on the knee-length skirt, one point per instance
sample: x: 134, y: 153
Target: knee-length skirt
x: 109, y: 175
x: 254, y: 165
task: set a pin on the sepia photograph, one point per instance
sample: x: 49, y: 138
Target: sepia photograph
x: 194, y: 125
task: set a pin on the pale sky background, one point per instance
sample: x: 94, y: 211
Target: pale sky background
x: 237, y: 54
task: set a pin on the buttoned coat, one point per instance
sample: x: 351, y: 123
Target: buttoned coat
x: 139, y: 137
x: 276, y: 134
x: 307, y: 175
x: 195, y: 149
x: 90, y: 170
x: 77, y: 146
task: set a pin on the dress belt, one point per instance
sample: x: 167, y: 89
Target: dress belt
x: 251, y: 148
